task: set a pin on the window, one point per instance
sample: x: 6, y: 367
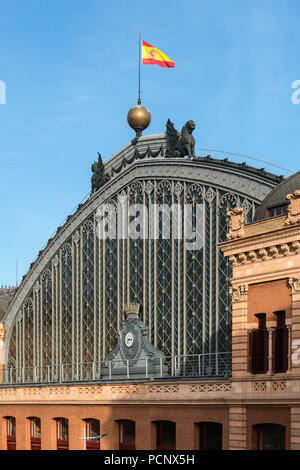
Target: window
x: 258, y: 347
x: 210, y: 436
x: 280, y: 344
x: 126, y: 435
x: 270, y: 436
x: 62, y: 433
x: 277, y: 211
x: 92, y: 428
x: 35, y: 433
x: 165, y: 435
x: 11, y: 432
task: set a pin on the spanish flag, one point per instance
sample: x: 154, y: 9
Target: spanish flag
x: 151, y: 55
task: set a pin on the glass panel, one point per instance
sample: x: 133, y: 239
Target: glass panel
x: 166, y: 435
x: 271, y: 437
x: 62, y: 429
x: 127, y: 432
x: 210, y: 436
x: 35, y: 427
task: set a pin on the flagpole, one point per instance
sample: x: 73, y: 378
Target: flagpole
x: 139, y: 98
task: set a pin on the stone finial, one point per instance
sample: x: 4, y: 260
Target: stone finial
x: 132, y: 308
x: 236, y: 223
x: 293, y: 208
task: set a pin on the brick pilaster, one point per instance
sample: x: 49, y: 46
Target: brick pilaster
x: 239, y: 331
x: 237, y: 428
x: 295, y: 428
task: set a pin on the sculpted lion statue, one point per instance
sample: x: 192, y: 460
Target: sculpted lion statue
x: 180, y: 144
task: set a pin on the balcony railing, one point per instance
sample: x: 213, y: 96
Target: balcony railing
x: 202, y: 366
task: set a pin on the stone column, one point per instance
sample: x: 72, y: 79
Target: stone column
x: 237, y: 428
x: 239, y: 330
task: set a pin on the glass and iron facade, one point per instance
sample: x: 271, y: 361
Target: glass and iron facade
x: 69, y: 306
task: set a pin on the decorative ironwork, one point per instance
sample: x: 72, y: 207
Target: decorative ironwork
x: 84, y: 282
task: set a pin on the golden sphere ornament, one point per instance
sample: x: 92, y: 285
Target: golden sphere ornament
x: 138, y: 118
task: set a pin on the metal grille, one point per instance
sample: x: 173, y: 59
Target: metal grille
x: 72, y: 314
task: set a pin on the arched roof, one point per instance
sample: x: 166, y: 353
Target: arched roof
x: 277, y: 197
x: 146, y: 159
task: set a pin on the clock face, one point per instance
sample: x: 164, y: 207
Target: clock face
x: 129, y: 340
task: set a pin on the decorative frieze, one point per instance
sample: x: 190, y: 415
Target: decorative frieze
x: 33, y: 391
x: 263, y: 254
x: 59, y: 390
x: 7, y: 392
x: 162, y: 388
x: 123, y: 388
x: 90, y: 389
x: 207, y: 388
x: 259, y: 386
x: 278, y: 386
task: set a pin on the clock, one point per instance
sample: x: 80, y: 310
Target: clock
x: 129, y: 339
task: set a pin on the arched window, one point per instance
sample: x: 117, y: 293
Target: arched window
x: 35, y: 433
x: 11, y: 432
x: 270, y: 436
x: 126, y: 435
x: 62, y: 433
x: 210, y: 436
x: 165, y: 435
x: 92, y: 434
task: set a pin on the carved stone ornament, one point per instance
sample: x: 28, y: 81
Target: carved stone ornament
x: 294, y: 283
x: 133, y: 354
x: 238, y: 293
x: 2, y: 331
x: 293, y: 208
x: 236, y: 223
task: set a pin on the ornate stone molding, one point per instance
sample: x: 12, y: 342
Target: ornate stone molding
x: 236, y: 223
x: 293, y: 208
x: 206, y: 388
x: 263, y: 254
x: 162, y: 388
x: 238, y: 293
x: 124, y: 388
x: 294, y: 283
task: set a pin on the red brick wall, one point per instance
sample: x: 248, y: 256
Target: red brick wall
x: 269, y: 297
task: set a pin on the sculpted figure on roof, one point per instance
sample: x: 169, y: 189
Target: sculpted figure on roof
x: 98, y: 177
x: 180, y: 144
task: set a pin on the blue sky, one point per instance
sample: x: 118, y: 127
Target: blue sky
x: 71, y: 67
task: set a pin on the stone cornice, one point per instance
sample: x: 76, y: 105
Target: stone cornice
x: 264, y: 254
